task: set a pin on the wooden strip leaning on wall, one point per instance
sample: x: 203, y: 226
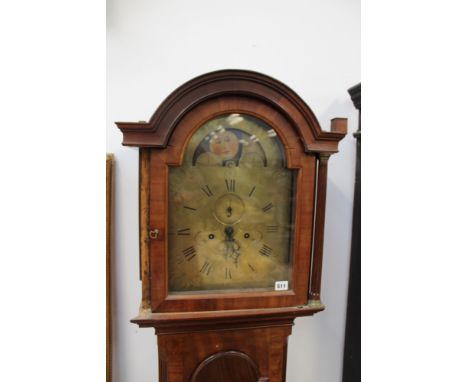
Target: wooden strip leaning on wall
x: 109, y: 236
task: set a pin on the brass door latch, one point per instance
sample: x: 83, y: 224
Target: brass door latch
x: 154, y: 233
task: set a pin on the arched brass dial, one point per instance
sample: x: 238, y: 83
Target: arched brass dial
x: 230, y: 209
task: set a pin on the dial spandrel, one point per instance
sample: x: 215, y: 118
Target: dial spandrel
x: 230, y: 209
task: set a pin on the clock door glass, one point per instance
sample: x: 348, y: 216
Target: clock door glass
x: 231, y: 206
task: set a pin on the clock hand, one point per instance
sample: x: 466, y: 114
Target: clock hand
x: 232, y: 247
x: 229, y: 231
x: 229, y: 209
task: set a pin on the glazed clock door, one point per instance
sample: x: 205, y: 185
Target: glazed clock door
x: 223, y: 197
x: 231, y: 210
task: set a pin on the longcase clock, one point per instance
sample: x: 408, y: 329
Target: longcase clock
x: 233, y: 172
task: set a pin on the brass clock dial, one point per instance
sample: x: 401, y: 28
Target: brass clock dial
x: 230, y: 209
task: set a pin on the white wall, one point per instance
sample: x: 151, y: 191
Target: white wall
x: 154, y: 46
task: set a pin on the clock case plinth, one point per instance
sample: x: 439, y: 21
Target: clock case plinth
x: 259, y: 336
x: 201, y: 336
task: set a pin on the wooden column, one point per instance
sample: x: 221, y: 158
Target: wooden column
x: 144, y: 228
x: 319, y: 227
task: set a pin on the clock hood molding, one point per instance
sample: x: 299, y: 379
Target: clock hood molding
x: 224, y: 83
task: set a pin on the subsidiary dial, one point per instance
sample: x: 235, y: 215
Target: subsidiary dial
x: 229, y: 209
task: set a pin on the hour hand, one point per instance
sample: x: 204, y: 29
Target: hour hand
x: 229, y: 231
x: 232, y: 247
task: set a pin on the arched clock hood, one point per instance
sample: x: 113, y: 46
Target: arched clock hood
x: 224, y: 83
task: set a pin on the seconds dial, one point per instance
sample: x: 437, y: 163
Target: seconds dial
x: 229, y: 209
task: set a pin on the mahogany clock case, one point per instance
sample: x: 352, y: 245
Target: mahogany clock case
x: 229, y: 335
x: 163, y: 141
